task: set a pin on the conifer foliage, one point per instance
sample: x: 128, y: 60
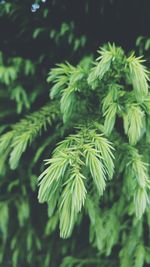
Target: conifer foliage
x: 94, y: 134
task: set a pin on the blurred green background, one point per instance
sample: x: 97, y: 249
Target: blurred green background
x: 30, y: 44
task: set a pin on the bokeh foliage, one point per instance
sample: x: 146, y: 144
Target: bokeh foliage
x: 99, y: 110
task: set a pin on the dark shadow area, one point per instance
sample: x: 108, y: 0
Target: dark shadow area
x: 100, y: 21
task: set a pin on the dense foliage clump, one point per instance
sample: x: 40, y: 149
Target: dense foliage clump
x: 98, y: 174
x: 88, y: 120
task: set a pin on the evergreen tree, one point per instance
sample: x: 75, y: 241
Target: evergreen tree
x: 78, y: 142
x: 95, y: 133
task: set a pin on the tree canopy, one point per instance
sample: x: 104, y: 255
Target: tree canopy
x: 74, y: 134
